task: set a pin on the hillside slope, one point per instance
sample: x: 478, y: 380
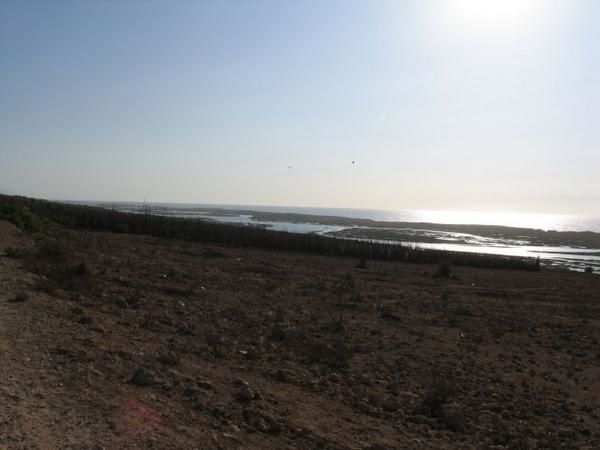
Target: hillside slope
x: 119, y: 341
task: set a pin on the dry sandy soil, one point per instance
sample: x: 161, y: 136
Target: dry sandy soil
x: 114, y: 341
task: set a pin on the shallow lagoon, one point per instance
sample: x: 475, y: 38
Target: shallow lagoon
x: 574, y: 256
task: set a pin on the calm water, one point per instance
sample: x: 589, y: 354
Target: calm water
x: 558, y: 222
x: 573, y: 258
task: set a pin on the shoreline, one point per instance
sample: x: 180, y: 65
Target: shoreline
x: 573, y: 250
x: 589, y: 237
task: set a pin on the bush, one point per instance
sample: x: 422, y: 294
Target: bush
x: 21, y: 297
x: 335, y: 324
x: 453, y: 419
x: 21, y: 217
x: 362, y: 264
x: 47, y: 286
x: 443, y: 271
x: 438, y: 393
x: 12, y: 252
x: 212, y: 253
x: 81, y: 269
x: 277, y: 332
x: 335, y: 354
x: 53, y: 250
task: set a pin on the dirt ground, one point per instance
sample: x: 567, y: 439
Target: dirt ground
x: 115, y: 341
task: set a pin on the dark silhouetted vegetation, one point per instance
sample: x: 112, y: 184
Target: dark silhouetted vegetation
x: 441, y: 390
x: 443, y: 270
x: 362, y: 264
x: 12, y: 252
x: 21, y: 297
x: 53, y: 250
x: 32, y: 211
x: 15, y: 211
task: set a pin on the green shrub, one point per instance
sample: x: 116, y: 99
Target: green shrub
x: 21, y: 216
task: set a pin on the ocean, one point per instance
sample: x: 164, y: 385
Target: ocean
x: 570, y: 253
x: 558, y: 222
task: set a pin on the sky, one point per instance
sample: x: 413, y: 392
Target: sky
x: 489, y: 105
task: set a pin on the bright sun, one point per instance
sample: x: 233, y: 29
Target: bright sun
x: 494, y: 13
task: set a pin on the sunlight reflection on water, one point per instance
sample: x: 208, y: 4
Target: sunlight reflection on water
x: 575, y: 258
x: 558, y: 222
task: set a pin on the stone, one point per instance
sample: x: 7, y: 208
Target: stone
x: 245, y: 394
x: 206, y: 385
x: 168, y: 360
x: 390, y: 404
x: 142, y: 377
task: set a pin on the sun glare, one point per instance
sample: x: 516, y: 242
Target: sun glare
x: 494, y: 13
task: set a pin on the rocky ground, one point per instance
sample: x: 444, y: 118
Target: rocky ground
x: 115, y: 341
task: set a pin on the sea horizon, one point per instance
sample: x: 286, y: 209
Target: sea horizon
x: 535, y: 221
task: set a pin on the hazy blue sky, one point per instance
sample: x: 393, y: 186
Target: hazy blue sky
x: 442, y: 104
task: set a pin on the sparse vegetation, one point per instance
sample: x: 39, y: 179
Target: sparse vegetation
x: 438, y: 393
x: 443, y: 270
x: 335, y: 355
x: 12, y: 252
x: 47, y: 286
x: 13, y: 210
x: 94, y: 218
x: 59, y: 265
x: 275, y: 332
x: 53, y: 250
x: 20, y: 297
x: 362, y: 263
x: 336, y: 324
x: 212, y: 253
